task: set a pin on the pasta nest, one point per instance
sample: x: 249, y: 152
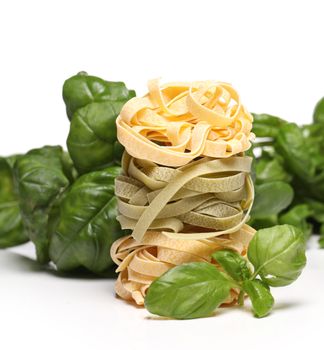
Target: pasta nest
x: 178, y: 122
x: 140, y: 263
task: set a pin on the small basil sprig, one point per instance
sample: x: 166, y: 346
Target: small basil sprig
x: 195, y: 289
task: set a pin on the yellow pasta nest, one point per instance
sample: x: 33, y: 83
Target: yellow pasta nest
x: 140, y: 263
x: 178, y: 122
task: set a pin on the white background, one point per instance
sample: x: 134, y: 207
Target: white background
x: 271, y: 51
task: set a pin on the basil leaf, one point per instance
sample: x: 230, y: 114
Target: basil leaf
x: 264, y: 222
x: 268, y: 170
x: 188, y: 291
x: 266, y: 125
x: 85, y: 223
x: 40, y: 180
x: 271, y: 198
x: 318, y: 114
x: 11, y: 228
x: 303, y: 154
x: 278, y: 254
x: 297, y: 216
x: 261, y: 298
x: 83, y: 89
x: 233, y: 263
x: 92, y: 137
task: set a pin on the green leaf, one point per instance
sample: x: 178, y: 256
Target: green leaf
x: 271, y: 198
x: 266, y: 125
x: 317, y: 209
x: 188, y: 291
x: 92, y: 137
x: 261, y: 298
x: 278, y: 254
x: 40, y: 180
x: 83, y: 89
x: 86, y: 225
x: 11, y: 228
x: 233, y: 263
x: 264, y: 222
x: 318, y: 114
x: 297, y: 216
x: 303, y: 154
x: 268, y: 170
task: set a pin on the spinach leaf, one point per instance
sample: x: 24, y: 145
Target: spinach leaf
x: 40, y: 179
x: 268, y: 221
x: 92, y: 138
x: 11, y: 228
x: 233, y: 263
x: 188, y: 291
x: 297, y: 216
x: 86, y: 224
x: 318, y: 114
x: 271, y: 198
x: 266, y: 125
x: 278, y: 254
x: 92, y: 105
x: 83, y: 89
x: 261, y: 298
x: 269, y: 170
x: 303, y: 158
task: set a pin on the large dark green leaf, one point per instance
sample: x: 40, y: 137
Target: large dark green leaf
x: 268, y: 170
x: 318, y: 114
x: 86, y: 225
x: 303, y: 158
x: 278, y: 254
x: 40, y: 179
x: 188, y: 291
x: 92, y: 137
x: 297, y: 216
x: 271, y: 198
x: 83, y: 89
x: 266, y: 125
x: 11, y: 229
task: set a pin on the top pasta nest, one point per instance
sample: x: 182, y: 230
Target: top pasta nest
x: 178, y: 122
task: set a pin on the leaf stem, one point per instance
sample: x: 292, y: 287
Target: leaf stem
x: 241, y: 298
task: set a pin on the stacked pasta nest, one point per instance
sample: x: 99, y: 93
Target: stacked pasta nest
x: 185, y: 191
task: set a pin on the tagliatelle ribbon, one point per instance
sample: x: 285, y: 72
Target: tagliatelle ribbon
x: 178, y: 122
x: 140, y: 263
x: 204, y: 199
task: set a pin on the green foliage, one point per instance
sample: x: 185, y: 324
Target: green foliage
x: 293, y: 155
x: 85, y: 223
x: 278, y: 254
x: 71, y: 219
x: 233, y: 264
x: 187, y: 291
x: 11, y: 228
x: 261, y: 298
x: 92, y: 105
x: 92, y: 137
x: 40, y: 178
x: 194, y: 290
x: 83, y: 89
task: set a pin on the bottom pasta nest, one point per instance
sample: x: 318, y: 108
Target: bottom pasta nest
x: 140, y: 263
